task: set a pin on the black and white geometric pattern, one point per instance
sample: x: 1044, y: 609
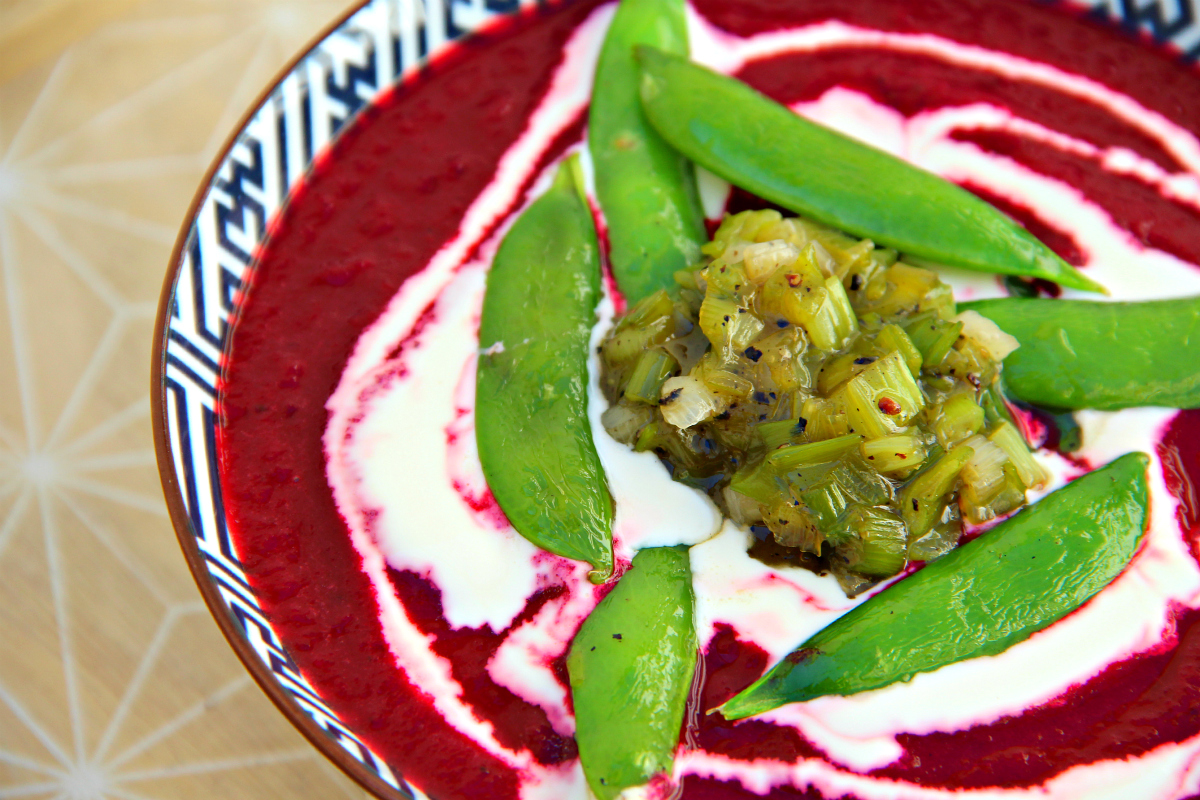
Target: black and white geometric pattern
x: 1173, y: 23
x: 382, y: 41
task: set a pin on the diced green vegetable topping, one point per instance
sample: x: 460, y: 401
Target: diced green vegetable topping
x: 826, y: 388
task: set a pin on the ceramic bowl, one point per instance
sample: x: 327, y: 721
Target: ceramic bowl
x: 295, y: 120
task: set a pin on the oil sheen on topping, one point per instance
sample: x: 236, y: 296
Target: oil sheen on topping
x: 467, y: 623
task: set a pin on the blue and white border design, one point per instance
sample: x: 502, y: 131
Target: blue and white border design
x: 379, y: 43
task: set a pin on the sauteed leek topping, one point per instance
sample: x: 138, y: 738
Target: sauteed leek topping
x: 824, y: 389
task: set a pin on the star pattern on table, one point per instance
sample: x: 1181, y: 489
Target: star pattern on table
x: 114, y: 681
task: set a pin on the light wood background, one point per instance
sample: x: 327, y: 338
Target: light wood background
x: 114, y: 681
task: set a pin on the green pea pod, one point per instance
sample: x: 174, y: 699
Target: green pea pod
x: 978, y: 600
x: 646, y: 189
x: 631, y: 667
x: 1080, y: 354
x: 724, y: 125
x: 531, y: 422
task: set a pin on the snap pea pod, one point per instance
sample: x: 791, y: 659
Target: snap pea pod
x: 535, y: 443
x: 631, y: 666
x: 645, y: 187
x: 1081, y: 354
x: 727, y: 127
x: 978, y: 600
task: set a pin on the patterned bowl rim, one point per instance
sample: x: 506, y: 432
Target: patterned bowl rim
x: 218, y: 575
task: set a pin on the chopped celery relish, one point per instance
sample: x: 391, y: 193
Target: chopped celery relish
x: 825, y: 390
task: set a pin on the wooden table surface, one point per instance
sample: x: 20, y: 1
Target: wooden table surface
x: 114, y: 681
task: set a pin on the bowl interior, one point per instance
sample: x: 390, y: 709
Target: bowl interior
x: 297, y: 118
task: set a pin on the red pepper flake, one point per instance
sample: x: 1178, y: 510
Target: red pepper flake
x: 889, y: 406
x: 793, y: 279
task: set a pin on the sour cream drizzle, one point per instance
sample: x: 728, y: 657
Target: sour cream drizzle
x: 411, y: 414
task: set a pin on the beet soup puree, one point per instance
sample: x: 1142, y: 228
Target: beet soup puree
x: 408, y: 590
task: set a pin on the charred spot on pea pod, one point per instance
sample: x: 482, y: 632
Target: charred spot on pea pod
x: 797, y: 657
x: 625, y: 142
x: 845, y: 428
